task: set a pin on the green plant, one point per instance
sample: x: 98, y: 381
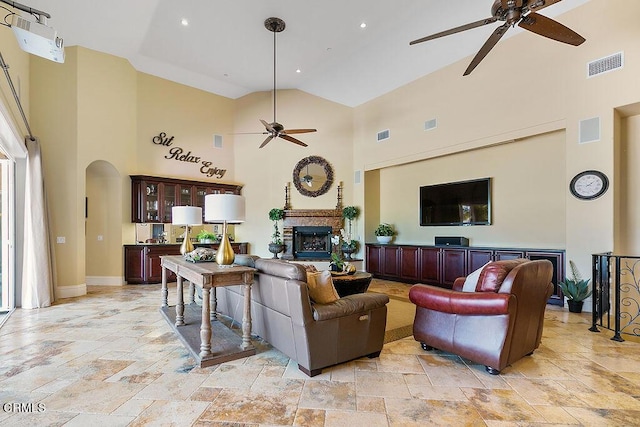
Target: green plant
x: 350, y: 213
x: 276, y: 215
x: 575, y: 288
x: 205, y: 235
x: 337, y: 261
x: 384, y: 229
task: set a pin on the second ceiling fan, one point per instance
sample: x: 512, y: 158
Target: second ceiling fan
x: 275, y: 129
x: 521, y: 12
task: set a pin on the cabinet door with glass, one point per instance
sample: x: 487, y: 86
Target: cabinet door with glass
x: 168, y: 200
x: 146, y: 205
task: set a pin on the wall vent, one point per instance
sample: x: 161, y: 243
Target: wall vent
x: 430, y: 124
x: 383, y: 134
x: 604, y: 65
x: 217, y: 141
x: 589, y: 130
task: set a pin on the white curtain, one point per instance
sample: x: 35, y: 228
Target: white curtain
x: 38, y: 267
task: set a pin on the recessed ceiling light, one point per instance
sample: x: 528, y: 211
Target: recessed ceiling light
x: 184, y: 22
x: 363, y: 25
x: 298, y: 70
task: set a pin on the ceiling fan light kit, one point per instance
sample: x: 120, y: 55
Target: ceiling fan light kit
x: 512, y: 12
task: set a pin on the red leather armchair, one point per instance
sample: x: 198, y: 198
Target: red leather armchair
x: 496, y: 325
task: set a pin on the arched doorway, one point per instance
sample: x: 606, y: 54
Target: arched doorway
x: 103, y: 225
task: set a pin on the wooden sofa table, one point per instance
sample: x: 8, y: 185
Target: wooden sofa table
x: 195, y: 327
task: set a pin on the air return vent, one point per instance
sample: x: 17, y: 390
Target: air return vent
x: 604, y: 65
x: 383, y: 134
x: 589, y: 130
x: 430, y: 124
x: 217, y: 141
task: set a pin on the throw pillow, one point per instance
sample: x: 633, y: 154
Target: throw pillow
x: 472, y: 280
x: 321, y: 289
x: 491, y: 278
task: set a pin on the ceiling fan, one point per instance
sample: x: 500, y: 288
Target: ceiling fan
x: 275, y: 129
x: 521, y: 12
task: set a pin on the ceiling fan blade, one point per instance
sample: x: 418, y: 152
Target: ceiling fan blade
x: 486, y: 48
x: 293, y: 131
x: 549, y: 28
x: 268, y: 126
x: 455, y: 30
x: 292, y: 139
x: 266, y: 141
x: 537, y: 5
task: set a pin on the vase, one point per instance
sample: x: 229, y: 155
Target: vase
x: 347, y: 250
x: 275, y: 249
x: 575, y: 306
x: 384, y: 239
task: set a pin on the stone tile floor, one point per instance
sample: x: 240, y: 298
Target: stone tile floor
x: 110, y: 359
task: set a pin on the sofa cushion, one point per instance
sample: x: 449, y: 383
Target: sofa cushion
x: 321, y: 289
x: 349, y: 305
x: 494, y: 273
x: 280, y: 268
x: 246, y: 260
x: 471, y: 282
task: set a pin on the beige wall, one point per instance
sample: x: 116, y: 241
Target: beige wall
x: 628, y: 221
x: 528, y: 195
x: 192, y: 117
x: 267, y: 171
x: 97, y: 108
x: 527, y: 86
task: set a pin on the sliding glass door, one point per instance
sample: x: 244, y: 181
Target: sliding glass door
x: 7, y: 287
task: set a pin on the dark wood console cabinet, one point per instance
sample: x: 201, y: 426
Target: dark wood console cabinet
x: 142, y: 262
x: 440, y: 266
x: 153, y: 197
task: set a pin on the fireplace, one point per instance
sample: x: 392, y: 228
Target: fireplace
x: 307, y: 233
x: 312, y: 242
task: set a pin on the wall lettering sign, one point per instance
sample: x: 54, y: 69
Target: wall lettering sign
x: 177, y: 153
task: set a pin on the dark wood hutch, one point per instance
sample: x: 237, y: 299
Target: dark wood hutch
x: 152, y: 198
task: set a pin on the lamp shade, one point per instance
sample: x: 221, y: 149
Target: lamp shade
x: 186, y: 215
x: 224, y: 208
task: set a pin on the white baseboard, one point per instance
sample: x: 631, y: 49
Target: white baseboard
x: 71, y: 291
x: 105, y: 280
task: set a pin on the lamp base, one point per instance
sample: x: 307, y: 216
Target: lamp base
x: 186, y: 246
x: 225, y: 255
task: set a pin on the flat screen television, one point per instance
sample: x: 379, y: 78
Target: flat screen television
x: 456, y: 203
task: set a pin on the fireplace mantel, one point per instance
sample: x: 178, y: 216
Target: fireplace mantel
x: 308, y: 218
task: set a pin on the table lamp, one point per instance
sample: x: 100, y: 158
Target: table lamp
x: 224, y: 209
x: 187, y: 216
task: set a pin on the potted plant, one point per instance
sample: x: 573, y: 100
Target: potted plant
x: 205, y: 236
x: 384, y: 232
x: 276, y: 246
x: 575, y: 289
x: 349, y: 245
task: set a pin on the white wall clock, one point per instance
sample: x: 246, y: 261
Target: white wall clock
x: 589, y: 185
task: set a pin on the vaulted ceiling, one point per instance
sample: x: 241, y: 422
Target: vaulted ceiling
x: 225, y: 48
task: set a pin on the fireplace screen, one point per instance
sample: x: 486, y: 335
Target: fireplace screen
x: 312, y: 242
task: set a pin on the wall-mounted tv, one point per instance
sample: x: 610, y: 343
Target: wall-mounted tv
x: 456, y: 203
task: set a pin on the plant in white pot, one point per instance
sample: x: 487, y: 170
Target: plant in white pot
x: 205, y: 236
x: 575, y: 289
x: 384, y: 232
